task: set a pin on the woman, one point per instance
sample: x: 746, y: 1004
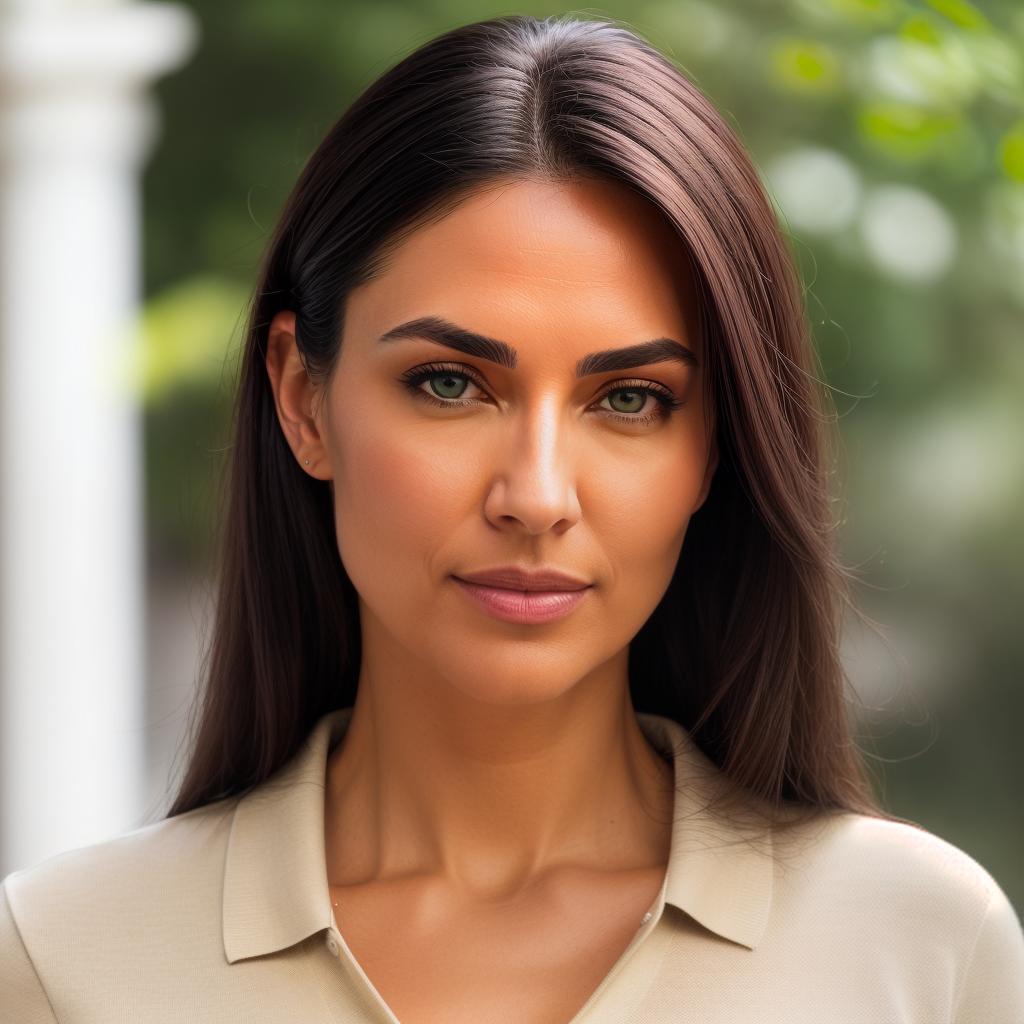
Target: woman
x: 482, y: 739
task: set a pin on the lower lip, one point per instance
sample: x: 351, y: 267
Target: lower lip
x: 532, y: 606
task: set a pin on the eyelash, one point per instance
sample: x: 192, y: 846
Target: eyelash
x: 667, y: 401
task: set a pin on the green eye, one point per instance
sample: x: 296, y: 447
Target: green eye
x: 453, y: 378
x: 637, y: 394
x: 444, y: 382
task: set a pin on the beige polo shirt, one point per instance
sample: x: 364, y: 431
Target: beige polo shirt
x: 223, y: 914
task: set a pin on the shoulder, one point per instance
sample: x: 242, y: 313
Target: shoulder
x: 898, y: 892
x: 182, y: 847
x: 102, y: 896
x: 883, y: 863
x: 901, y: 856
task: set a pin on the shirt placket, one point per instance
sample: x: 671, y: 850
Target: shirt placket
x: 339, y: 949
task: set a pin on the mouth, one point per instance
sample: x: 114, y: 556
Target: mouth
x: 529, y: 607
x: 522, y: 578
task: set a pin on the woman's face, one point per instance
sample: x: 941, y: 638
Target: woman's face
x: 484, y: 464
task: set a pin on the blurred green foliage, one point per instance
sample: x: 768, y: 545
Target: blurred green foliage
x: 891, y: 136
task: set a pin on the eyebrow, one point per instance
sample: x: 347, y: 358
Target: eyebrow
x: 443, y: 332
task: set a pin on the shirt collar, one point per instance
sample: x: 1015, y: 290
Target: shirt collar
x: 720, y: 869
x: 275, y: 876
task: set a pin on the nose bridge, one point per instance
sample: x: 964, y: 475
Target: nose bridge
x: 544, y: 434
x: 536, y: 471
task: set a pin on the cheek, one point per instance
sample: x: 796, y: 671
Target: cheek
x: 397, y: 498
x: 640, y: 502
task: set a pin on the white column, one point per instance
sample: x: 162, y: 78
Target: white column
x: 76, y: 125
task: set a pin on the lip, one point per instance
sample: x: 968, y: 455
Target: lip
x: 512, y: 577
x: 531, y: 607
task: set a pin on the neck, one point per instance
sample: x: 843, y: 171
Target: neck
x: 491, y: 798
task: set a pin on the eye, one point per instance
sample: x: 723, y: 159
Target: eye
x: 451, y: 378
x: 667, y: 403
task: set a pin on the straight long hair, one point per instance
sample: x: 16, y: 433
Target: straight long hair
x: 743, y: 648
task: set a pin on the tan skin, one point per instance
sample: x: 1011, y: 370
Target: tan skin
x: 496, y: 823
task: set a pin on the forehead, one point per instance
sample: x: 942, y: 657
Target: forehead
x: 577, y: 254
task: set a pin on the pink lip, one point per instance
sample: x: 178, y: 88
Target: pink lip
x: 527, y: 606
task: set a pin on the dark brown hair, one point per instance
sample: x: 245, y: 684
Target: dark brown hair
x: 743, y: 649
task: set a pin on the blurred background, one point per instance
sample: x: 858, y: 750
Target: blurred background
x: 145, y: 151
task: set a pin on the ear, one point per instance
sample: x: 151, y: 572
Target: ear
x: 295, y: 396
x: 709, y: 473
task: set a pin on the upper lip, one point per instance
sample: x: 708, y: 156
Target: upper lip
x: 512, y: 577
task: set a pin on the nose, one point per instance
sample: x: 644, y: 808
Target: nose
x: 533, y: 486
